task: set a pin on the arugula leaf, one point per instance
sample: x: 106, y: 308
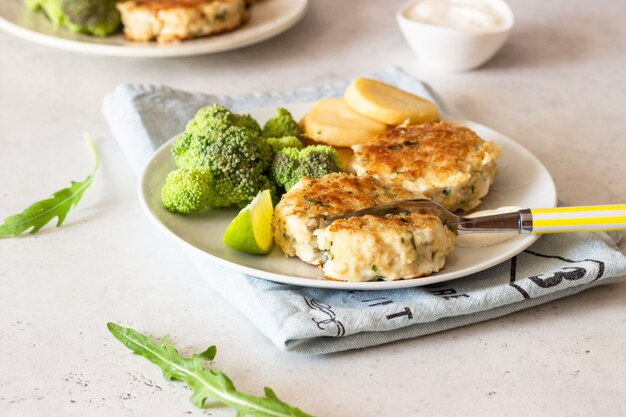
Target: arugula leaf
x: 206, y: 384
x: 38, y: 214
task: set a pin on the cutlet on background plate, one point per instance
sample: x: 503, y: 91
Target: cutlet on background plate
x: 173, y: 20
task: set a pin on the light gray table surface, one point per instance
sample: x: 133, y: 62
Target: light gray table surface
x: 558, y: 87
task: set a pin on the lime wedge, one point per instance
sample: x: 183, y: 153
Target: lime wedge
x: 251, y: 230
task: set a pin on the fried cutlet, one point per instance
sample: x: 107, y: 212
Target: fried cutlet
x: 443, y: 161
x: 172, y: 20
x: 384, y: 248
x: 302, y: 210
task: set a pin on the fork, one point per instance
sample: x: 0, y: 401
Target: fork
x: 535, y: 221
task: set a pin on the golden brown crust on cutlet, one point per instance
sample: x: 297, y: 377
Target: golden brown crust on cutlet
x: 304, y: 207
x: 410, y: 151
x: 340, y: 193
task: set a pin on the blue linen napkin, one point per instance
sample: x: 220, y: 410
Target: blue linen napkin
x: 317, y: 321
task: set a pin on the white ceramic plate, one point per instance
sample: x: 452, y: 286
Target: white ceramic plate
x: 268, y: 19
x: 522, y: 181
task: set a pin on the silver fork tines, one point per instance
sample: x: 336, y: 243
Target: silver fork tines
x: 504, y: 222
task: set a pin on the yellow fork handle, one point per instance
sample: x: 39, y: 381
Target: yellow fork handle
x: 579, y: 219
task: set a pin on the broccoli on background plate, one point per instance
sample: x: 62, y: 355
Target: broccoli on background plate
x: 93, y: 17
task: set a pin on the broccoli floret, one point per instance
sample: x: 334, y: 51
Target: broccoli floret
x: 187, y: 190
x: 228, y: 147
x: 281, y: 125
x: 279, y: 144
x: 185, y: 150
x: 319, y: 160
x: 96, y: 17
x: 217, y: 117
x: 52, y: 9
x: 223, y: 151
x: 190, y: 190
x: 93, y: 17
x: 284, y: 169
x: 241, y: 192
x: 291, y: 164
x: 223, y: 142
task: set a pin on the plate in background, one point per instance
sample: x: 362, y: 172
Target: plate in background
x: 268, y: 18
x: 522, y: 181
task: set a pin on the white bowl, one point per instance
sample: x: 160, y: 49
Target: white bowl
x: 452, y: 49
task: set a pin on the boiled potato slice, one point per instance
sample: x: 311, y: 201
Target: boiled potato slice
x: 333, y: 122
x: 388, y: 104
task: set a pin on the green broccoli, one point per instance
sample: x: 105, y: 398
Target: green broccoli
x: 278, y: 144
x: 187, y: 190
x: 291, y: 164
x: 217, y: 117
x: 190, y: 190
x: 93, y: 17
x: 283, y: 171
x: 240, y: 190
x: 282, y: 124
x: 224, y: 150
x: 229, y: 147
x: 222, y: 141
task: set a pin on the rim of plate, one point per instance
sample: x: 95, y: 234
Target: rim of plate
x: 524, y: 241
x: 238, y: 38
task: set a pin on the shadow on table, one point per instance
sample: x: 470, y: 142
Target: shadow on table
x: 537, y: 45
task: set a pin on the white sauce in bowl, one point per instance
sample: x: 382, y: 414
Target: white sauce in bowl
x: 483, y: 239
x: 467, y: 15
